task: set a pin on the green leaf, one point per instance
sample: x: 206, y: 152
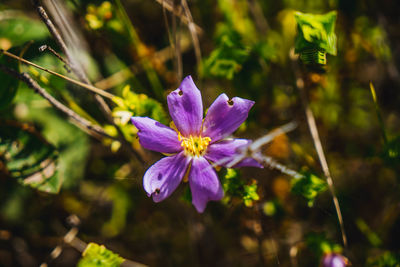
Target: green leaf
x: 316, y: 37
x: 28, y: 157
x: 9, y: 84
x: 320, y: 245
x: 387, y: 259
x: 309, y: 186
x: 137, y: 105
x: 235, y: 187
x: 316, y: 32
x: 99, y: 256
x: 227, y: 59
x: 21, y: 29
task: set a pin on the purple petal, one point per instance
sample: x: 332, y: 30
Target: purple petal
x: 186, y: 108
x: 156, y: 136
x: 204, y: 183
x: 226, y: 151
x: 164, y: 176
x: 224, y: 116
x: 333, y: 260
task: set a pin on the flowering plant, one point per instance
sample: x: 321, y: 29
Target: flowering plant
x: 193, y: 144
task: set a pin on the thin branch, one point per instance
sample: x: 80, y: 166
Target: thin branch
x: 378, y: 113
x: 84, y: 85
x: 82, y: 77
x: 177, y: 39
x: 193, y: 32
x: 53, y: 30
x: 253, y: 151
x: 318, y: 146
x: 46, y: 47
x: 178, y: 12
x: 70, y: 238
x: 24, y: 77
x: 260, y: 21
x: 162, y: 56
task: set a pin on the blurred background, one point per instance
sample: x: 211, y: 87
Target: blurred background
x: 56, y: 177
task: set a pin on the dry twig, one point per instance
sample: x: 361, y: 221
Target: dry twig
x: 81, y: 75
x: 318, y: 146
x: 24, y: 77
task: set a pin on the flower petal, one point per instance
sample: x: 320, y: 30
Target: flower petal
x: 224, y: 116
x: 224, y: 152
x: 164, y: 176
x: 156, y: 136
x: 204, y: 183
x: 186, y: 108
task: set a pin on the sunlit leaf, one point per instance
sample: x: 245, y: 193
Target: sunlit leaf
x: 309, y: 186
x: 227, y: 59
x: 28, y: 157
x: 99, y: 256
x: 236, y: 188
x: 316, y: 32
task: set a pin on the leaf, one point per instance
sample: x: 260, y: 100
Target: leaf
x: 320, y: 244
x: 28, y: 157
x: 387, y: 259
x: 99, y: 256
x: 9, y: 84
x: 227, y: 59
x: 316, y: 32
x: 235, y: 188
x: 21, y: 29
x: 309, y: 186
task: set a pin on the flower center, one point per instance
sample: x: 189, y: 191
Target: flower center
x: 194, y: 145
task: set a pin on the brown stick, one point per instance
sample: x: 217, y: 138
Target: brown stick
x: 103, y: 105
x: 87, y: 86
x: 318, y: 147
x: 178, y: 12
x: 193, y: 32
x: 24, y: 77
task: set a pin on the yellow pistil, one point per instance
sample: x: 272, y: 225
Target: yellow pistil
x: 194, y: 145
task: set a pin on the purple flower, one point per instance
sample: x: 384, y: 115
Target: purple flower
x: 334, y: 260
x: 193, y: 144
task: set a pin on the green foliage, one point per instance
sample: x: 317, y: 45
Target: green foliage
x: 72, y: 144
x: 103, y: 16
x: 99, y: 256
x: 238, y: 19
x: 387, y: 259
x: 132, y: 104
x: 28, y: 157
x: 137, y: 105
x: 9, y: 84
x: 373, y: 38
x: 309, y: 186
x: 372, y: 237
x: 121, y: 204
x: 316, y: 37
x: 273, y: 208
x: 21, y: 29
x: 227, y: 59
x: 235, y: 188
x: 316, y: 32
x: 320, y: 245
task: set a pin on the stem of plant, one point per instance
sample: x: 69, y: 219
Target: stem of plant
x: 84, y: 85
x: 320, y: 152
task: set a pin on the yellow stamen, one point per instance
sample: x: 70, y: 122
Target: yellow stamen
x: 194, y: 145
